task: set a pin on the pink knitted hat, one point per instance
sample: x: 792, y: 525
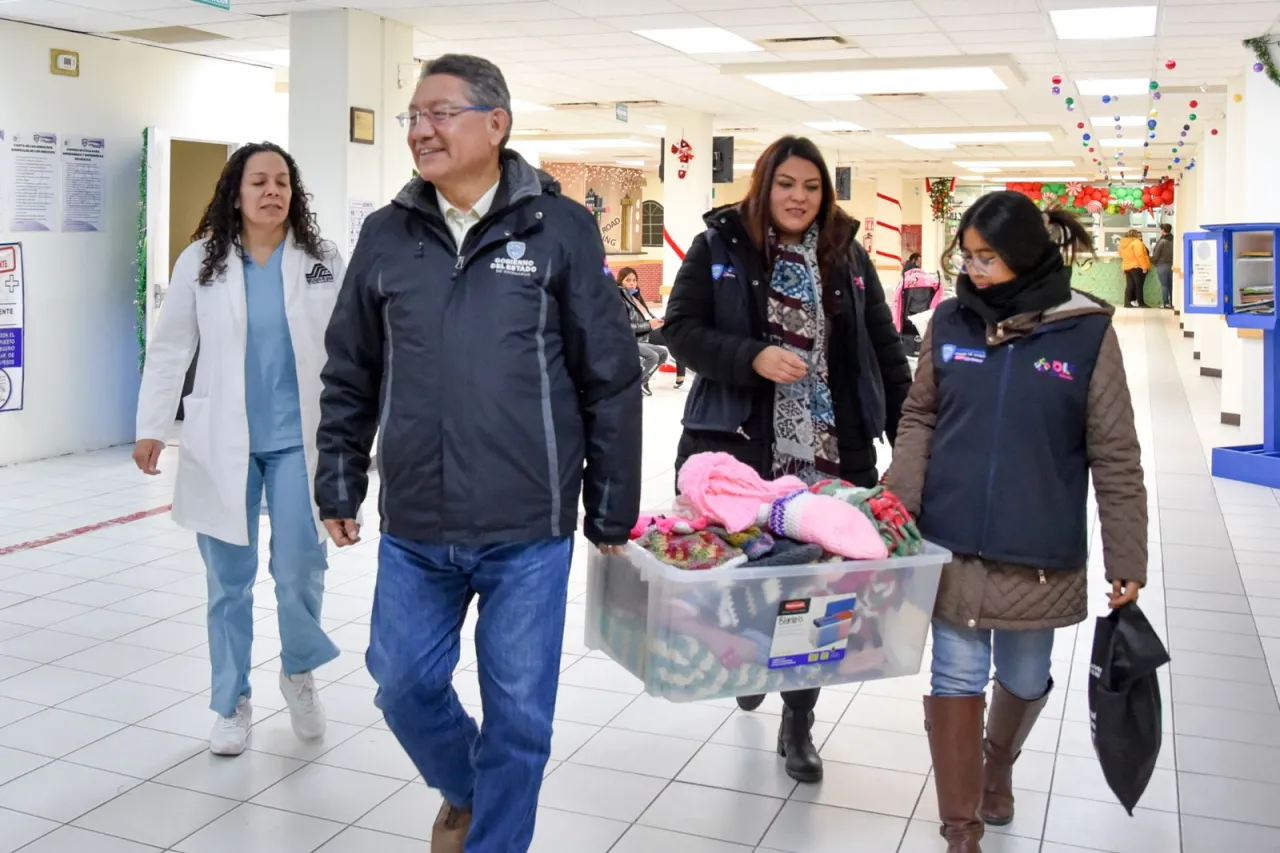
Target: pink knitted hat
x: 838, y: 527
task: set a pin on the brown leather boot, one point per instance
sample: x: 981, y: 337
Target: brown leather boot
x: 954, y: 724
x: 1008, y: 727
x: 450, y: 830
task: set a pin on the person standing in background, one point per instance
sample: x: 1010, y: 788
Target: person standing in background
x: 254, y: 294
x: 1136, y: 263
x: 479, y: 335
x: 1162, y: 260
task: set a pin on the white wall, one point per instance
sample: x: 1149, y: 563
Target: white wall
x: 81, y: 345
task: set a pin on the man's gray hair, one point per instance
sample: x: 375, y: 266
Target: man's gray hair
x: 486, y: 87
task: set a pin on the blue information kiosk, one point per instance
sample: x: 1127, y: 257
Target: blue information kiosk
x: 1231, y: 270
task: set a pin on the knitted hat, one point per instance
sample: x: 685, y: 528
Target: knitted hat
x: 838, y: 527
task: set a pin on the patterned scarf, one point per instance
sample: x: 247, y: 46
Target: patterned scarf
x: 804, y: 420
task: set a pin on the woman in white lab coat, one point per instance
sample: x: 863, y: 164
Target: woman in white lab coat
x: 254, y: 293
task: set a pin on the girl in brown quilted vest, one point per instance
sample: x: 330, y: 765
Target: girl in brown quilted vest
x: 1020, y: 396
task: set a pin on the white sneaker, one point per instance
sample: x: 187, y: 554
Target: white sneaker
x: 231, y: 733
x: 305, y: 711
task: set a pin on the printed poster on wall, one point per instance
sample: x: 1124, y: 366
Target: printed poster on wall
x: 32, y: 168
x: 12, y: 301
x: 1204, y: 273
x: 84, y: 181
x: 359, y: 211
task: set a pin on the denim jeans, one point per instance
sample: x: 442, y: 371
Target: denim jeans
x: 421, y: 599
x: 962, y: 660
x: 1165, y: 274
x: 297, y: 564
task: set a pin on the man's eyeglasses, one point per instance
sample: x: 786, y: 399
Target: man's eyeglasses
x: 437, y: 117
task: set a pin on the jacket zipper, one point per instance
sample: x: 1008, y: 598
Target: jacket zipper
x: 995, y: 441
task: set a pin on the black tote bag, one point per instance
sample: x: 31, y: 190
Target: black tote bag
x: 1125, y: 711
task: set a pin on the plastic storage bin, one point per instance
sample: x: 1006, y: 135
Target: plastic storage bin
x: 695, y: 635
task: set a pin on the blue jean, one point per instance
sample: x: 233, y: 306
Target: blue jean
x: 297, y: 564
x: 962, y: 661
x: 1165, y: 274
x: 419, y: 605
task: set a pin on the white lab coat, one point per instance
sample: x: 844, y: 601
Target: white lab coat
x: 213, y: 467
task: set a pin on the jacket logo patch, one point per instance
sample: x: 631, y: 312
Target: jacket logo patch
x: 514, y: 266
x: 320, y: 274
x: 1060, y: 369
x: 515, y: 250
x: 859, y: 283
x: 717, y: 272
x: 951, y: 352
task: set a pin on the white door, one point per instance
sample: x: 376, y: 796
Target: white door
x: 158, y: 145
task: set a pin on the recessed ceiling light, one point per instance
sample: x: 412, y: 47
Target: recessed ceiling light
x: 944, y: 141
x: 1115, y: 86
x: 701, y: 40
x: 1120, y: 143
x: 1016, y: 164
x: 1123, y: 22
x: 834, y: 126
x: 847, y: 85
x: 519, y: 106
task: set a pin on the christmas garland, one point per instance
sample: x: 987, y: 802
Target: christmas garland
x: 140, y: 251
x: 940, y: 196
x: 1261, y: 47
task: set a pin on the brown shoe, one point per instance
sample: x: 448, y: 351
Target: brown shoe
x: 1008, y: 728
x: 954, y: 724
x: 450, y: 830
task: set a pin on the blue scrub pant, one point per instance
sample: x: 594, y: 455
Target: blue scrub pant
x: 297, y: 564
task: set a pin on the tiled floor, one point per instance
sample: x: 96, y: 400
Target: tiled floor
x: 103, y: 708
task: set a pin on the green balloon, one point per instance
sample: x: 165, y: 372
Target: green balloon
x: 1070, y: 101
x: 1193, y: 116
x: 1154, y: 85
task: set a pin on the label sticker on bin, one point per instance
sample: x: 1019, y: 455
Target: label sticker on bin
x: 812, y: 630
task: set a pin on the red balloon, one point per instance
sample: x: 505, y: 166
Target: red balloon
x: 1214, y: 131
x: 1080, y: 125
x: 1171, y: 64
x: 1167, y: 196
x: 1057, y: 79
x: 1194, y: 104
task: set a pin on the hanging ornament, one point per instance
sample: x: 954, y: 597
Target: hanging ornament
x: 1183, y: 133
x: 1213, y: 132
x: 1151, y: 135
x: 1153, y: 85
x: 1258, y: 67
x: 1192, y: 116
x: 1151, y: 124
x: 1177, y: 160
x: 1071, y: 108
x: 1146, y: 145
x: 1237, y: 97
x: 1155, y: 96
x: 1155, y: 114
x: 684, y: 153
x: 1106, y: 99
x: 1057, y: 90
x: 1119, y: 129
x: 1080, y: 125
x: 1170, y: 64
x: 1090, y: 150
x: 1057, y: 79
x: 1186, y: 127
x: 1115, y: 118
x: 1194, y: 104
x: 1071, y: 101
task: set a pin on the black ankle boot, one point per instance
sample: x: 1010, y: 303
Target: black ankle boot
x: 795, y: 744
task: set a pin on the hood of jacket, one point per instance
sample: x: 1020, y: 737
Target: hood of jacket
x: 1079, y: 305
x: 519, y: 181
x: 730, y: 217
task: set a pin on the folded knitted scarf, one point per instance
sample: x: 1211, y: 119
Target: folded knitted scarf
x: 691, y: 551
x: 896, y: 526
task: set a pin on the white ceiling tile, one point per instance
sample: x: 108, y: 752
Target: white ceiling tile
x: 812, y: 29
x: 947, y: 8
x: 758, y: 17
x: 904, y: 40
x: 703, y: 6
x: 460, y: 32
x: 568, y: 27
x: 1210, y: 28
x: 878, y: 11
x: 1258, y: 14
x: 1004, y: 38
x: 893, y: 26
x: 610, y: 8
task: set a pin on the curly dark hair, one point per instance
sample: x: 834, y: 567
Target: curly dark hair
x: 222, y: 223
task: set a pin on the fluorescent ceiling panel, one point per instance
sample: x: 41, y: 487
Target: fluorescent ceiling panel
x: 1016, y: 164
x: 1115, y: 86
x: 834, y: 126
x: 1123, y: 22
x: 701, y: 40
x: 945, y: 141
x: 847, y: 85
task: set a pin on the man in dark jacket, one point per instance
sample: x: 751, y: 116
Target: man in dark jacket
x: 1162, y: 260
x: 479, y: 334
